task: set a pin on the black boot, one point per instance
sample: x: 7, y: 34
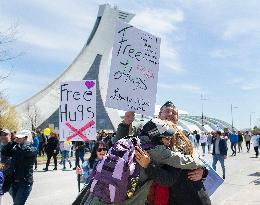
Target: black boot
x: 55, y: 168
x: 45, y: 169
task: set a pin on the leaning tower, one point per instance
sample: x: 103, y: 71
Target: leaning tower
x: 91, y: 63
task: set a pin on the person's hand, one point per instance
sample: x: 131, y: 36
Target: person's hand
x: 142, y: 157
x: 79, y: 171
x: 225, y: 156
x: 196, y: 174
x: 129, y: 117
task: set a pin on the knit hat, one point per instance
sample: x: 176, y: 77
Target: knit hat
x: 156, y: 128
x: 4, y: 132
x: 167, y: 104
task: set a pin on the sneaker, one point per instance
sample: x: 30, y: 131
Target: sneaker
x: 55, y: 168
x: 74, y: 168
x: 64, y: 168
x: 45, y: 169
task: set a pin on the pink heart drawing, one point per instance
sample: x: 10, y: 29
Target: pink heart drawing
x: 90, y: 84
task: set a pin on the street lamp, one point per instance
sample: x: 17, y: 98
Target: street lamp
x: 202, y: 98
x: 251, y: 119
x: 232, y: 117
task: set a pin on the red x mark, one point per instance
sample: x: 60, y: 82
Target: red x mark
x: 79, y: 132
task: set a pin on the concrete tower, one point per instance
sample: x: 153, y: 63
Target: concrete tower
x: 91, y: 63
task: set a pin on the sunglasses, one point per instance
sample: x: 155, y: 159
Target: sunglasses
x: 101, y: 149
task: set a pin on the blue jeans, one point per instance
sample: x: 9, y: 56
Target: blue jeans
x: 220, y: 158
x: 203, y: 150
x: 65, y: 157
x: 20, y: 192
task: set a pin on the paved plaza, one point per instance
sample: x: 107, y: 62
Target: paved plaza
x: 241, y: 187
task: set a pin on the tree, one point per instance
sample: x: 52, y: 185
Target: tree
x: 33, y: 114
x: 7, y: 38
x: 256, y: 129
x: 8, y: 117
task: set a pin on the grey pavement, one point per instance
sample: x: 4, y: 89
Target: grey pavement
x: 241, y: 187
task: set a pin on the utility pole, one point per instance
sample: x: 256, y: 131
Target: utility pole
x: 202, y: 98
x: 251, y: 119
x: 232, y: 117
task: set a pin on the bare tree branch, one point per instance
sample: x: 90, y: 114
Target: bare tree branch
x: 7, y: 54
x: 33, y: 114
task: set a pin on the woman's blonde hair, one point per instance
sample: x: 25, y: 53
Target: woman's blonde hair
x: 179, y: 142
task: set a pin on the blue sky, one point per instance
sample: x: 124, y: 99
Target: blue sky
x: 208, y: 46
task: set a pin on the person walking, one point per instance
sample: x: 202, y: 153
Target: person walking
x: 79, y: 153
x: 42, y: 142
x: 219, y: 152
x: 36, y: 145
x: 255, y: 143
x: 67, y: 145
x: 203, y: 143
x: 247, y: 140
x: 209, y: 141
x: 52, y: 149
x: 240, y: 141
x: 23, y: 156
x: 233, y: 137
x: 197, y: 137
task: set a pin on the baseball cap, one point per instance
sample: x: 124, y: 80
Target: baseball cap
x: 23, y: 133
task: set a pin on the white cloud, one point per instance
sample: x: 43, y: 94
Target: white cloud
x: 181, y: 87
x: 250, y: 86
x: 170, y: 58
x: 221, y: 53
x: 244, y: 84
x: 241, y: 27
x: 48, y: 39
x: 162, y: 23
x: 158, y: 21
x: 20, y: 85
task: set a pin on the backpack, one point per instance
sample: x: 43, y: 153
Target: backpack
x: 113, y: 174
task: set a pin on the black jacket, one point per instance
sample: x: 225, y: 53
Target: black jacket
x: 182, y: 190
x: 53, y: 144
x: 80, y: 146
x: 222, y: 146
x: 22, y: 160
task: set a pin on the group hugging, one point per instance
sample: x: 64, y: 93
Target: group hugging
x: 154, y: 166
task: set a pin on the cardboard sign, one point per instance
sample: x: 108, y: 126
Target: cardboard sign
x: 134, y: 70
x: 77, y: 113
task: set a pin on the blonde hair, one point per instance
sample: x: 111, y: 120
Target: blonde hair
x: 180, y: 142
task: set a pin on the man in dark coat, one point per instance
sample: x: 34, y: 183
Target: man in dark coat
x: 52, y: 150
x: 219, y: 152
x: 22, y: 155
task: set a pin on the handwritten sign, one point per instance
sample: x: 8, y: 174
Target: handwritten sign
x: 77, y: 113
x: 213, y: 180
x: 134, y: 70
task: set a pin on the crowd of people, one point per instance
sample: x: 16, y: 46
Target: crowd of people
x: 165, y: 161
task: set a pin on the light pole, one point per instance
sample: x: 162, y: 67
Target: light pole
x: 232, y: 117
x: 202, y: 98
x: 251, y: 119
